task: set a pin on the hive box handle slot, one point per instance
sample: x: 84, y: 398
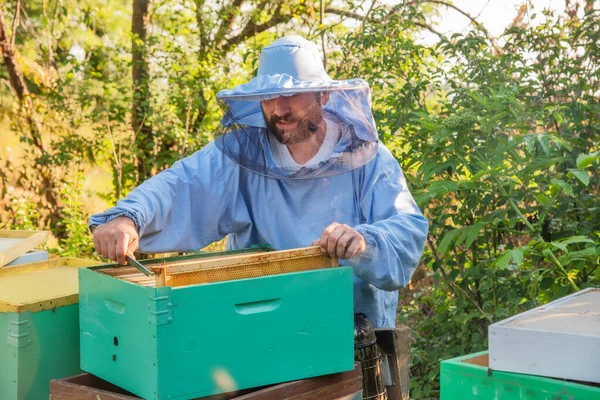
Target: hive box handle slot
x: 254, y: 307
x: 114, y: 306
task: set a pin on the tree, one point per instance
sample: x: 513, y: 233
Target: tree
x: 141, y: 117
x: 26, y: 109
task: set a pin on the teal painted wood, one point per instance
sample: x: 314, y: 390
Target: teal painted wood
x: 463, y: 381
x: 119, y: 340
x: 40, y: 346
x: 8, y: 363
x: 180, y: 343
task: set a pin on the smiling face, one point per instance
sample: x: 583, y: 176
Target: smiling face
x: 294, y: 119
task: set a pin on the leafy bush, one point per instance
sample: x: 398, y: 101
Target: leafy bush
x: 77, y: 241
x: 501, y: 149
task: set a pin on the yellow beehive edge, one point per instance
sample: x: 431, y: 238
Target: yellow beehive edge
x: 45, y: 294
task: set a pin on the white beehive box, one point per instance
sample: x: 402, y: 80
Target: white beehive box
x: 560, y: 339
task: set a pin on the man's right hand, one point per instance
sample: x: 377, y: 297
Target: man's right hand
x: 117, y: 238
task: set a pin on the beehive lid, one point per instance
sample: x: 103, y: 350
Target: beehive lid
x: 14, y: 244
x: 577, y: 314
x: 559, y: 340
x: 40, y: 286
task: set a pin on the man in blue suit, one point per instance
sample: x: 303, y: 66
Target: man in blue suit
x: 297, y: 162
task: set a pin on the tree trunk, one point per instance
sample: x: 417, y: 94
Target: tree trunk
x: 141, y: 112
x: 8, y: 53
x: 27, y: 108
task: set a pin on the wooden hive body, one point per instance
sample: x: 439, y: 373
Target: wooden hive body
x: 197, y: 340
x: 39, y: 321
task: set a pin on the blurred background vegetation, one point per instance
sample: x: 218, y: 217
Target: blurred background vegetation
x: 498, y: 136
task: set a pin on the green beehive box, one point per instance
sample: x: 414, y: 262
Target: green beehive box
x: 193, y: 340
x: 468, y: 378
x: 39, y: 321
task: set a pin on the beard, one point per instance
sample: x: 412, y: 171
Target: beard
x: 308, y: 123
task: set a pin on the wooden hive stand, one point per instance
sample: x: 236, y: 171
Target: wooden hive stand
x: 345, y: 385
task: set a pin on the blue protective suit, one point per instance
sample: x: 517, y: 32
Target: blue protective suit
x: 207, y: 196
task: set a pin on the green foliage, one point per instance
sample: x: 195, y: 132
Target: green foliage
x: 504, y: 164
x: 76, y: 61
x: 25, y: 215
x: 77, y: 242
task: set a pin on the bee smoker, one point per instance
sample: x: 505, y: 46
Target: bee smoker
x: 367, y: 352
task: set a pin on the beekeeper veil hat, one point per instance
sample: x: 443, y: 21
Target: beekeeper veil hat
x: 292, y: 67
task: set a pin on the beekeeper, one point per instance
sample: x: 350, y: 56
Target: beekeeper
x: 297, y: 162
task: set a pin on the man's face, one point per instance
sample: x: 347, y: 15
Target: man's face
x: 294, y: 119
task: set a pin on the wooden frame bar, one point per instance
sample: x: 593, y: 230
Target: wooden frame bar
x: 247, y: 259
x: 219, y: 268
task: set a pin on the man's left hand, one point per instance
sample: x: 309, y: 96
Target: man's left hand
x: 341, y: 241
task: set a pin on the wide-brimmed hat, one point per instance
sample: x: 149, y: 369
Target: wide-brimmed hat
x: 288, y: 66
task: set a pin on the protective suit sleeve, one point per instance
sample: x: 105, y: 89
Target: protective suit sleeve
x: 394, y: 228
x: 183, y: 208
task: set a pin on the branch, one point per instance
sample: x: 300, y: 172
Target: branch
x: 473, y: 20
x: 321, y: 16
x: 354, y: 15
x: 447, y: 279
x: 472, y: 300
x: 201, y: 113
x: 16, y: 22
x: 252, y: 29
x: 430, y: 29
x: 368, y: 12
x: 200, y: 22
x: 344, y: 13
x: 118, y: 159
x: 8, y: 53
x: 227, y: 23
